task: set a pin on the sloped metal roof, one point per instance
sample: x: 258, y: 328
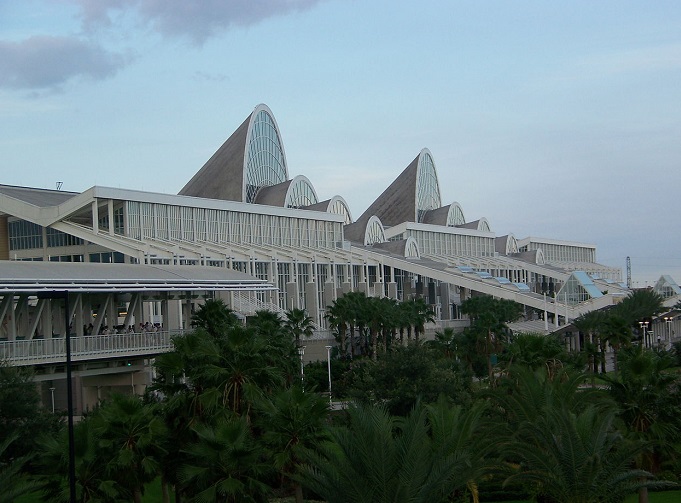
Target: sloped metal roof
x: 19, y: 276
x: 35, y: 196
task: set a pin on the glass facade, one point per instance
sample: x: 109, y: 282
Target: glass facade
x: 563, y: 252
x: 300, y: 194
x: 338, y: 207
x: 191, y: 224
x: 24, y: 235
x: 374, y: 232
x: 449, y: 245
x: 455, y: 216
x: 427, y: 188
x: 266, y: 164
x: 411, y: 249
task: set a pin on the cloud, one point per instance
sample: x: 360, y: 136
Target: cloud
x: 195, y: 20
x: 44, y: 62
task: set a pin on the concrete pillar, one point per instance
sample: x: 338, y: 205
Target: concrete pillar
x: 21, y: 317
x: 392, y: 290
x: 379, y: 289
x: 446, y: 301
x: 95, y: 217
x: 110, y: 211
x: 112, y: 313
x: 329, y: 293
x: 46, y: 319
x: 164, y: 312
x: 139, y: 312
x: 419, y: 288
x: 174, y: 312
x: 408, y: 291
x: 292, y: 295
x: 311, y: 302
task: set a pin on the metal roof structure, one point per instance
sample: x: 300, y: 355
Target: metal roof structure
x: 32, y: 277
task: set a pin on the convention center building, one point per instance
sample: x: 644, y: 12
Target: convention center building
x: 244, y: 212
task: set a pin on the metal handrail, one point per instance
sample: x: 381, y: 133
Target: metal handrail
x: 90, y: 347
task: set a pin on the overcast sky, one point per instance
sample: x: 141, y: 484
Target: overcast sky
x: 550, y: 119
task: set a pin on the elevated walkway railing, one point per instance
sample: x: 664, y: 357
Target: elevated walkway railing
x: 92, y: 347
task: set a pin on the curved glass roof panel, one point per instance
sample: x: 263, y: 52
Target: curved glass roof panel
x: 411, y: 250
x: 266, y: 164
x: 374, y: 232
x: 301, y: 193
x: 455, y: 215
x: 427, y: 187
x: 340, y: 207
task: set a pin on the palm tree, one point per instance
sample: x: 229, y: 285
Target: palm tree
x: 422, y: 314
x: 337, y: 316
x: 445, y: 342
x: 647, y: 395
x: 380, y: 458
x: 13, y: 482
x: 266, y: 322
x: 234, y: 363
x: 461, y: 433
x: 535, y: 351
x: 591, y: 324
x: 488, y: 318
x: 130, y: 433
x: 225, y: 465
x: 93, y: 483
x: 214, y: 317
x: 292, y: 423
x: 616, y: 332
x: 571, y: 457
x: 298, y: 324
x: 643, y: 304
x: 561, y: 439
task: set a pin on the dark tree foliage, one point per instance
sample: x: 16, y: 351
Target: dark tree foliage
x: 407, y: 375
x: 21, y: 414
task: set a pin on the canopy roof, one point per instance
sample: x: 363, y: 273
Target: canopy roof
x: 17, y: 277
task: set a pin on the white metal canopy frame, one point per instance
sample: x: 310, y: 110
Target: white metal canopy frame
x: 33, y: 277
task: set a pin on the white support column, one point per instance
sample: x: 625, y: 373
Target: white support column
x: 546, y: 317
x: 39, y: 308
x: 110, y: 208
x: 132, y: 305
x: 78, y: 312
x: 164, y: 312
x: 6, y: 312
x: 20, y: 316
x: 292, y: 297
x: 101, y: 314
x: 95, y: 217
x: 311, y: 302
x: 174, y: 320
x: 46, y: 319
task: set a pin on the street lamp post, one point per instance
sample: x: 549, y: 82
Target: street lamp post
x: 301, y: 352
x: 644, y: 328
x: 64, y: 294
x: 328, y: 366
